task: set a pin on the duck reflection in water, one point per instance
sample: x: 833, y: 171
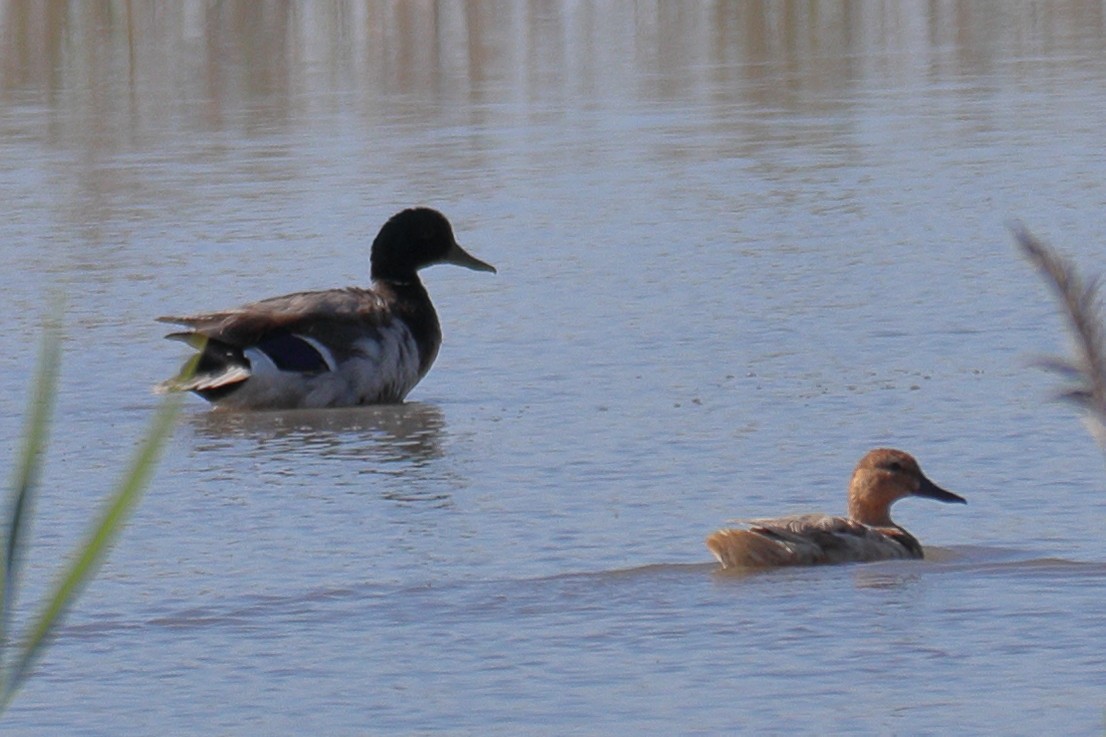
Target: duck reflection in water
x: 409, y: 433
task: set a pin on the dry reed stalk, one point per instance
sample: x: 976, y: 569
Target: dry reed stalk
x: 1086, y: 369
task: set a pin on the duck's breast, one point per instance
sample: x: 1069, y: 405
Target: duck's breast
x: 383, y: 366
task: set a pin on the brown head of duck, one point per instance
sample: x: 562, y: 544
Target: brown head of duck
x: 881, y: 478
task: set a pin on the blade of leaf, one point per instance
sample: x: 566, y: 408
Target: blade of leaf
x: 93, y: 550
x: 27, y: 469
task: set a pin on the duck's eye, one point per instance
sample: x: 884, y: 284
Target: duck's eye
x: 894, y: 466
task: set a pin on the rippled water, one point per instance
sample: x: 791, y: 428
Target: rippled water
x: 738, y: 245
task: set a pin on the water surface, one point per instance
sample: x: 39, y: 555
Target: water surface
x: 738, y: 245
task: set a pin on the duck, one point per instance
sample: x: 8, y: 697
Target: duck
x: 881, y: 478
x: 332, y: 348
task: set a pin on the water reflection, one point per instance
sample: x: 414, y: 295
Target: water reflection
x: 130, y: 68
x: 211, y: 120
x: 197, y: 152
x: 885, y: 577
x: 408, y: 433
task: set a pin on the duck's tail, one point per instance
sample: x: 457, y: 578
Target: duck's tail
x: 214, y: 371
x: 752, y: 549
x: 203, y: 384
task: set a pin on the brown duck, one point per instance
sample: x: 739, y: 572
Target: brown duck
x: 868, y: 533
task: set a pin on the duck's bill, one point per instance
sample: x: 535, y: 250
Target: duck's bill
x: 930, y: 490
x: 460, y: 257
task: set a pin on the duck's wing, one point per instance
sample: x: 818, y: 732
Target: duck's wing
x: 810, y: 539
x: 300, y: 312
x: 301, y: 334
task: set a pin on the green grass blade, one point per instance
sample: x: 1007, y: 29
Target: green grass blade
x: 96, y: 546
x: 27, y: 468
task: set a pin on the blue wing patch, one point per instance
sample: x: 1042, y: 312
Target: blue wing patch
x: 292, y: 353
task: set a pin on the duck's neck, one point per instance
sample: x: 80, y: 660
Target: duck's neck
x: 411, y: 303
x: 399, y: 278
x: 868, y: 505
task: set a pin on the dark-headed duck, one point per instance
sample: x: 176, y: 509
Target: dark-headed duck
x: 334, y: 348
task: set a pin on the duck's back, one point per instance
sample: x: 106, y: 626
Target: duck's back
x: 810, y: 539
x: 250, y: 323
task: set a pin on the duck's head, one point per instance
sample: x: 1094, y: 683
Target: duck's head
x: 884, y: 476
x: 415, y: 238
